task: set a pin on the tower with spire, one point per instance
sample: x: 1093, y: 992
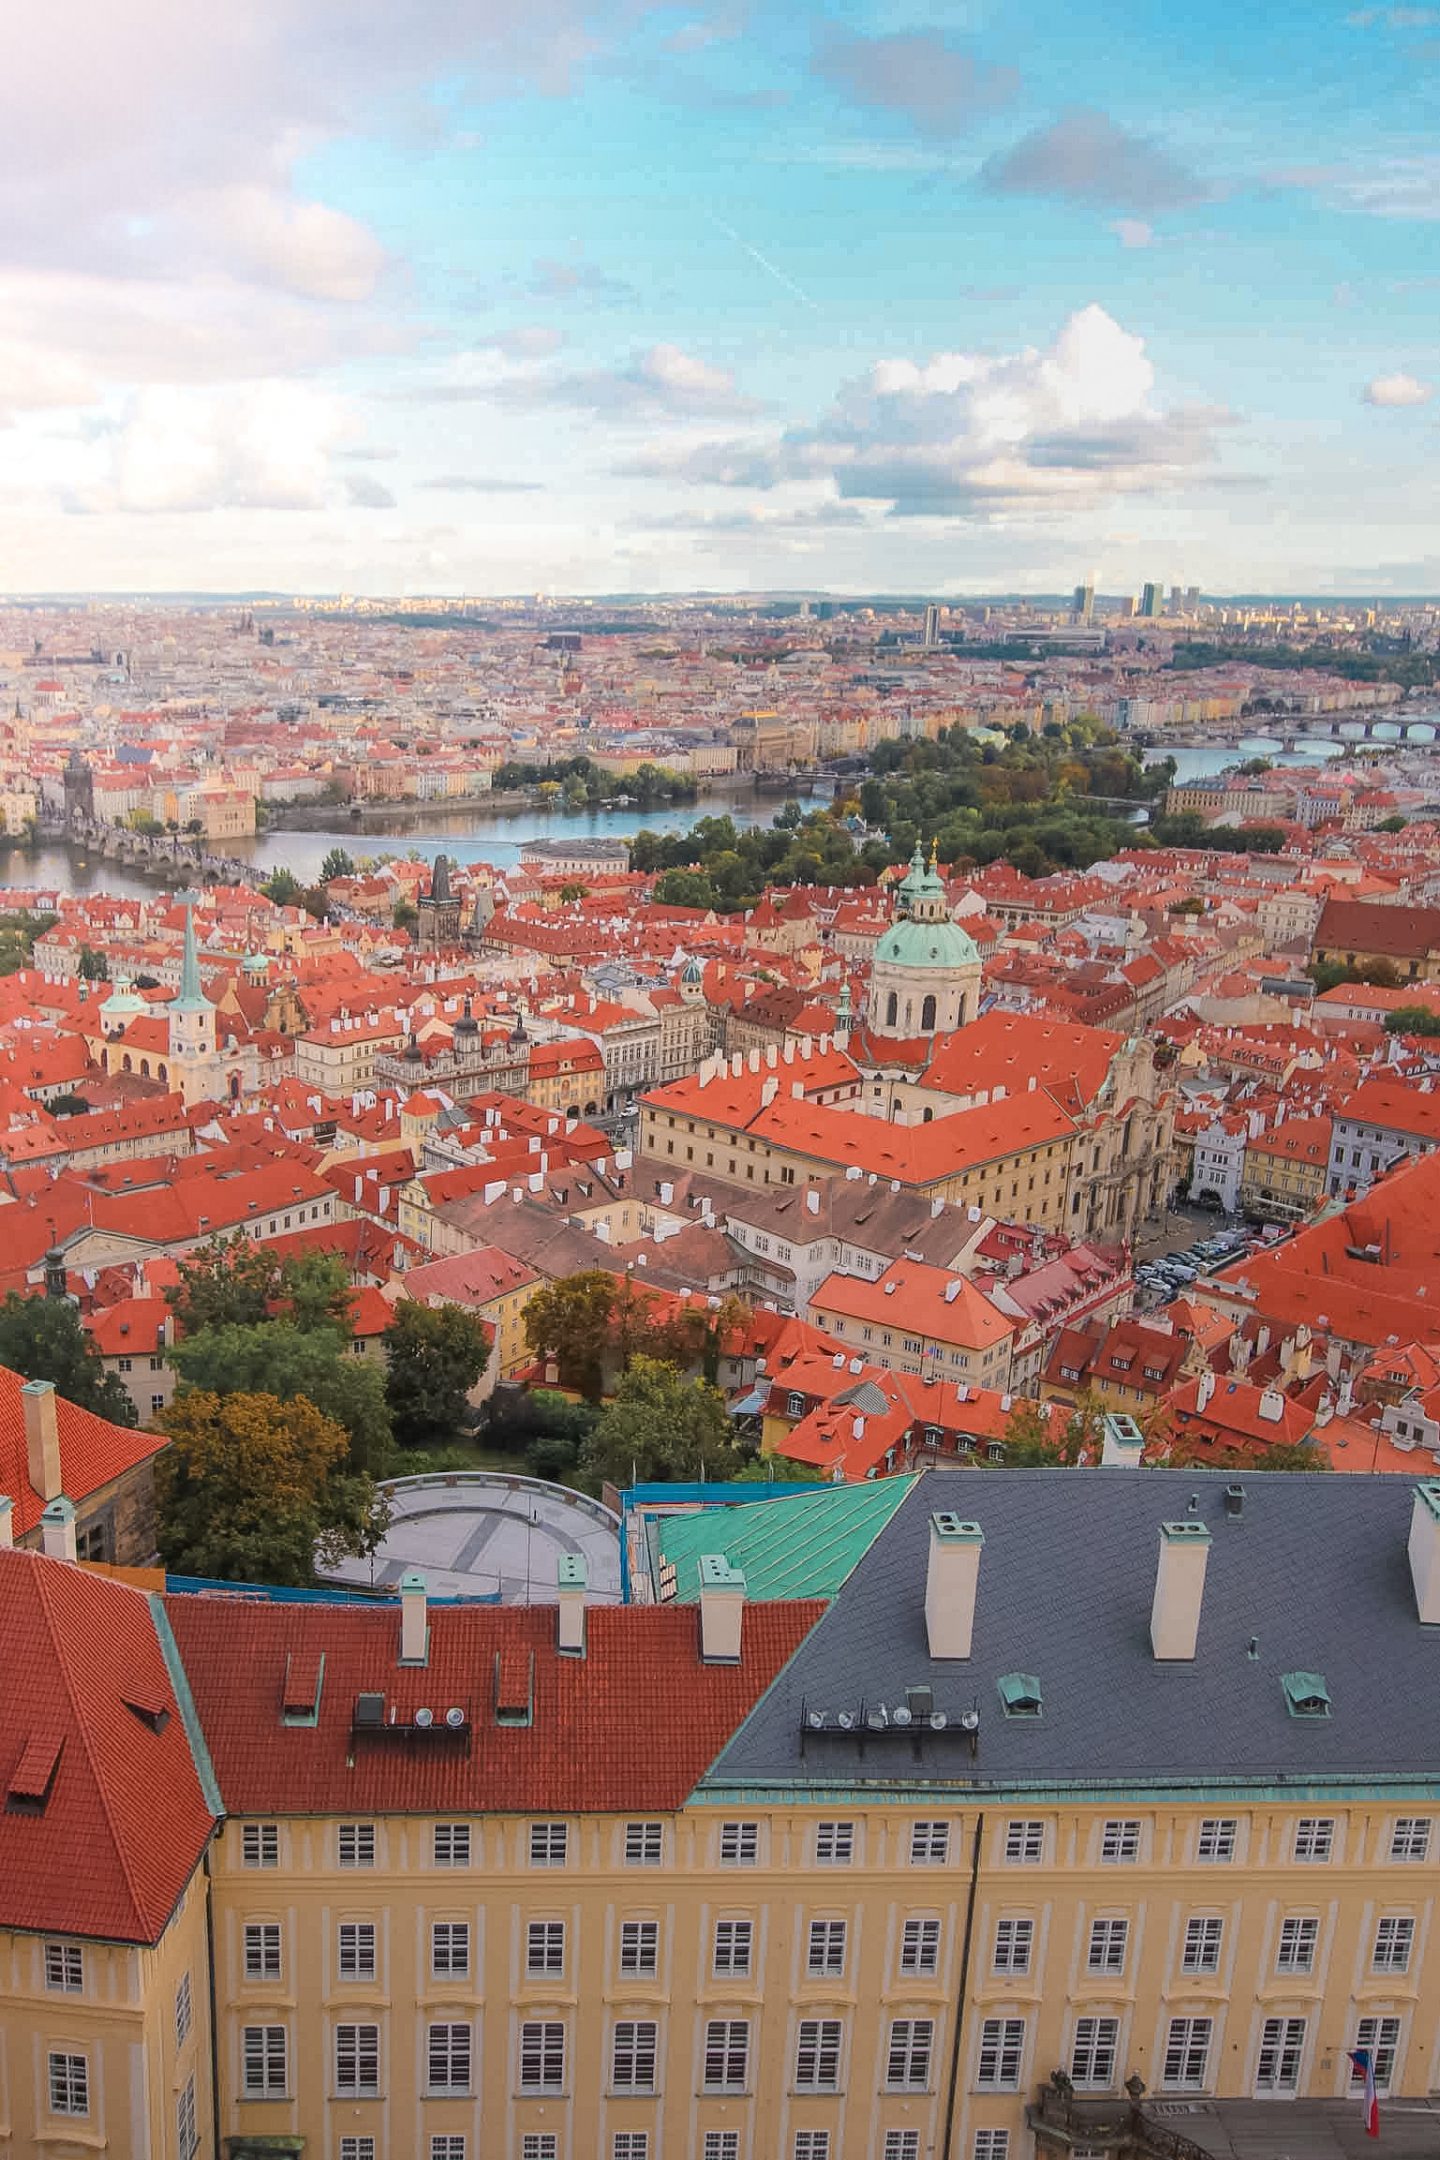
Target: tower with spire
x: 925, y: 976
x: 190, y: 1017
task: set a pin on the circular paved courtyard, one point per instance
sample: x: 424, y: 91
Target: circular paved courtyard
x: 476, y: 1535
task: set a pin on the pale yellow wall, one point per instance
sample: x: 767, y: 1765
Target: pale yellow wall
x: 123, y: 2021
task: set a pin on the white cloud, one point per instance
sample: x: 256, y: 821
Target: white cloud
x: 1133, y: 232
x: 915, y: 75
x: 978, y: 435
x: 1386, y: 187
x: 303, y: 247
x: 1085, y: 157
x: 1398, y: 389
x: 266, y: 446
x: 661, y: 383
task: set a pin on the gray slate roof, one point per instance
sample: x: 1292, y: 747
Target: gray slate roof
x: 1315, y: 1569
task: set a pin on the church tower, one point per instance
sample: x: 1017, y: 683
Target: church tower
x: 194, y: 1066
x: 925, y: 976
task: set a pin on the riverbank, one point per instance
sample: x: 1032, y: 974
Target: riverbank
x: 369, y: 817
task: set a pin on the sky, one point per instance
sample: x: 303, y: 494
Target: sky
x: 474, y: 296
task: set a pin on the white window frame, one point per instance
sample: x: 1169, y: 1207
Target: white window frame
x: 544, y: 1949
x: 1281, y: 2055
x: 819, y: 2054
x: 450, y: 1845
x: 449, y: 1949
x: 1394, y: 1944
x: 264, y: 2061
x: 355, y: 1844
x: 635, y: 2055
x: 1202, y: 1943
x: 739, y: 1844
x: 357, y: 1951
x: 1094, y: 2048
x: 1014, y: 1943
x: 929, y: 1844
x: 356, y: 2053
x: 920, y: 1938
x: 733, y: 1949
x: 184, y: 2009
x: 725, y: 2064
x: 1000, y: 2057
x: 543, y: 2053
x: 68, y: 2082
x: 901, y: 2145
x: 1025, y: 1841
x: 187, y: 2121
x: 834, y: 1844
x: 1188, y: 2042
x: 263, y: 1948
x: 450, y: 2046
x: 1410, y: 1838
x: 1297, y: 1943
x: 1120, y: 1840
x: 549, y: 1844
x: 720, y: 2145
x: 1217, y: 1837
x: 1109, y: 1944
x: 260, y: 1844
x: 644, y: 1844
x: 1315, y: 1838
x: 826, y: 1944
x: 359, y: 2148
x: 1382, y: 2035
x: 909, y: 2054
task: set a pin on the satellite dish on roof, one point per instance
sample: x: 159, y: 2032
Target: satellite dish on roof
x: 455, y: 1718
x: 424, y: 1719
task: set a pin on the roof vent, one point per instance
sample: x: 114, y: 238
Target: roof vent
x: 1020, y: 1693
x: 1306, y: 1695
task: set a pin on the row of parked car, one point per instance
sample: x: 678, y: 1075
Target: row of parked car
x: 1173, y: 1272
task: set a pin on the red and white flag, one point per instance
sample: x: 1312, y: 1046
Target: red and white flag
x: 1363, y: 2063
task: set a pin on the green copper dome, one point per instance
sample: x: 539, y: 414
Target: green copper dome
x: 938, y: 945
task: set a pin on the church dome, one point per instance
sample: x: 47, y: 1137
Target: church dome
x: 933, y: 945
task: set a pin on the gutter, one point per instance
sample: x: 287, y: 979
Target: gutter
x: 957, y: 2034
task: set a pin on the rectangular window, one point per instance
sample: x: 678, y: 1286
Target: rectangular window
x: 834, y: 1842
x: 1014, y: 1941
x: 263, y: 2054
x: 727, y: 2054
x: 187, y: 2122
x: 1216, y: 1840
x: 361, y: 2148
x: 548, y: 1843
x: 908, y: 2052
x: 1201, y: 1953
x: 545, y: 1948
x: 920, y: 1946
x: 644, y: 1844
x: 739, y: 1844
x: 184, y: 2010
x: 1092, y: 2057
x: 357, y: 2059
x: 1120, y: 1840
x: 630, y: 2145
x: 542, y: 2057
x: 1282, y: 2044
x: 1108, y: 1941
x: 929, y: 1841
x: 447, y: 2055
x: 1410, y: 1838
x: 260, y: 1844
x: 1187, y: 2054
x: 1002, y: 2044
x: 540, y: 2145
x: 1314, y: 1837
x: 451, y: 1846
x: 812, y: 2145
x: 262, y: 1950
x: 450, y: 1949
x: 825, y: 1955
x: 357, y: 1950
x: 733, y: 1940
x: 1382, y: 2036
x: 817, y: 2055
x: 640, y: 1948
x: 1394, y: 1940
x: 450, y: 2145
x: 902, y: 2145
x: 69, y: 2084
x: 992, y: 2145
x: 65, y: 1967
x: 632, y: 2058
x: 356, y: 1844
x: 1024, y: 1841
x: 721, y: 2145
x: 1296, y: 1950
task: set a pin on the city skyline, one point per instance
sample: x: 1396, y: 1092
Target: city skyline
x: 956, y: 302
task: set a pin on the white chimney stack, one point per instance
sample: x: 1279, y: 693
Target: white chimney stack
x: 42, y: 1437
x: 1179, y: 1590
x: 1424, y: 1550
x: 722, y: 1610
x: 952, y: 1577
x: 414, y: 1623
x: 57, y: 1529
x: 572, y: 1576
x: 7, y: 1522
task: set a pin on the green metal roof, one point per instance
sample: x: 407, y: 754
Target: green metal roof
x: 800, y: 1547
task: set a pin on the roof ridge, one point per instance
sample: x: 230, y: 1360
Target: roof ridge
x: 121, y: 1852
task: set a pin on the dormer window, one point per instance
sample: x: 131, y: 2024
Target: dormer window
x: 1020, y: 1694
x: 1306, y: 1695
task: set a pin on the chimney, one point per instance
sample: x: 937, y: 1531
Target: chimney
x: 952, y: 1575
x: 722, y: 1610
x: 42, y: 1437
x: 572, y: 1575
x: 7, y: 1522
x: 1424, y: 1549
x: 1122, y: 1444
x: 414, y: 1627
x: 1179, y: 1590
x: 57, y: 1529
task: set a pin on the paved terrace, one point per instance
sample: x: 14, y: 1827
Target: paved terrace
x: 477, y: 1534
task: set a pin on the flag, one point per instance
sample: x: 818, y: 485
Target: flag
x: 1362, y: 2061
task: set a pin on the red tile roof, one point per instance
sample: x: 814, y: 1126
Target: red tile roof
x: 125, y: 1821
x: 93, y: 1452
x: 634, y: 1723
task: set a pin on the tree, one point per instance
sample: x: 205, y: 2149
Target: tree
x: 277, y: 1357
x: 406, y: 916
x: 229, y: 1282
x: 253, y: 1489
x: 94, y: 967
x: 571, y: 891
x: 1028, y: 1444
x: 42, y: 1338
x: 436, y: 1354
x: 1405, y: 1020
x: 1391, y: 824
x: 67, y: 1105
x: 660, y: 1427
x: 338, y: 863
x: 570, y: 1322
x: 282, y: 887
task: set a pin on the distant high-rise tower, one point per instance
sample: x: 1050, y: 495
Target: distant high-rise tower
x: 1082, y: 603
x: 932, y: 627
x: 1150, y: 601
x: 1192, y: 599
